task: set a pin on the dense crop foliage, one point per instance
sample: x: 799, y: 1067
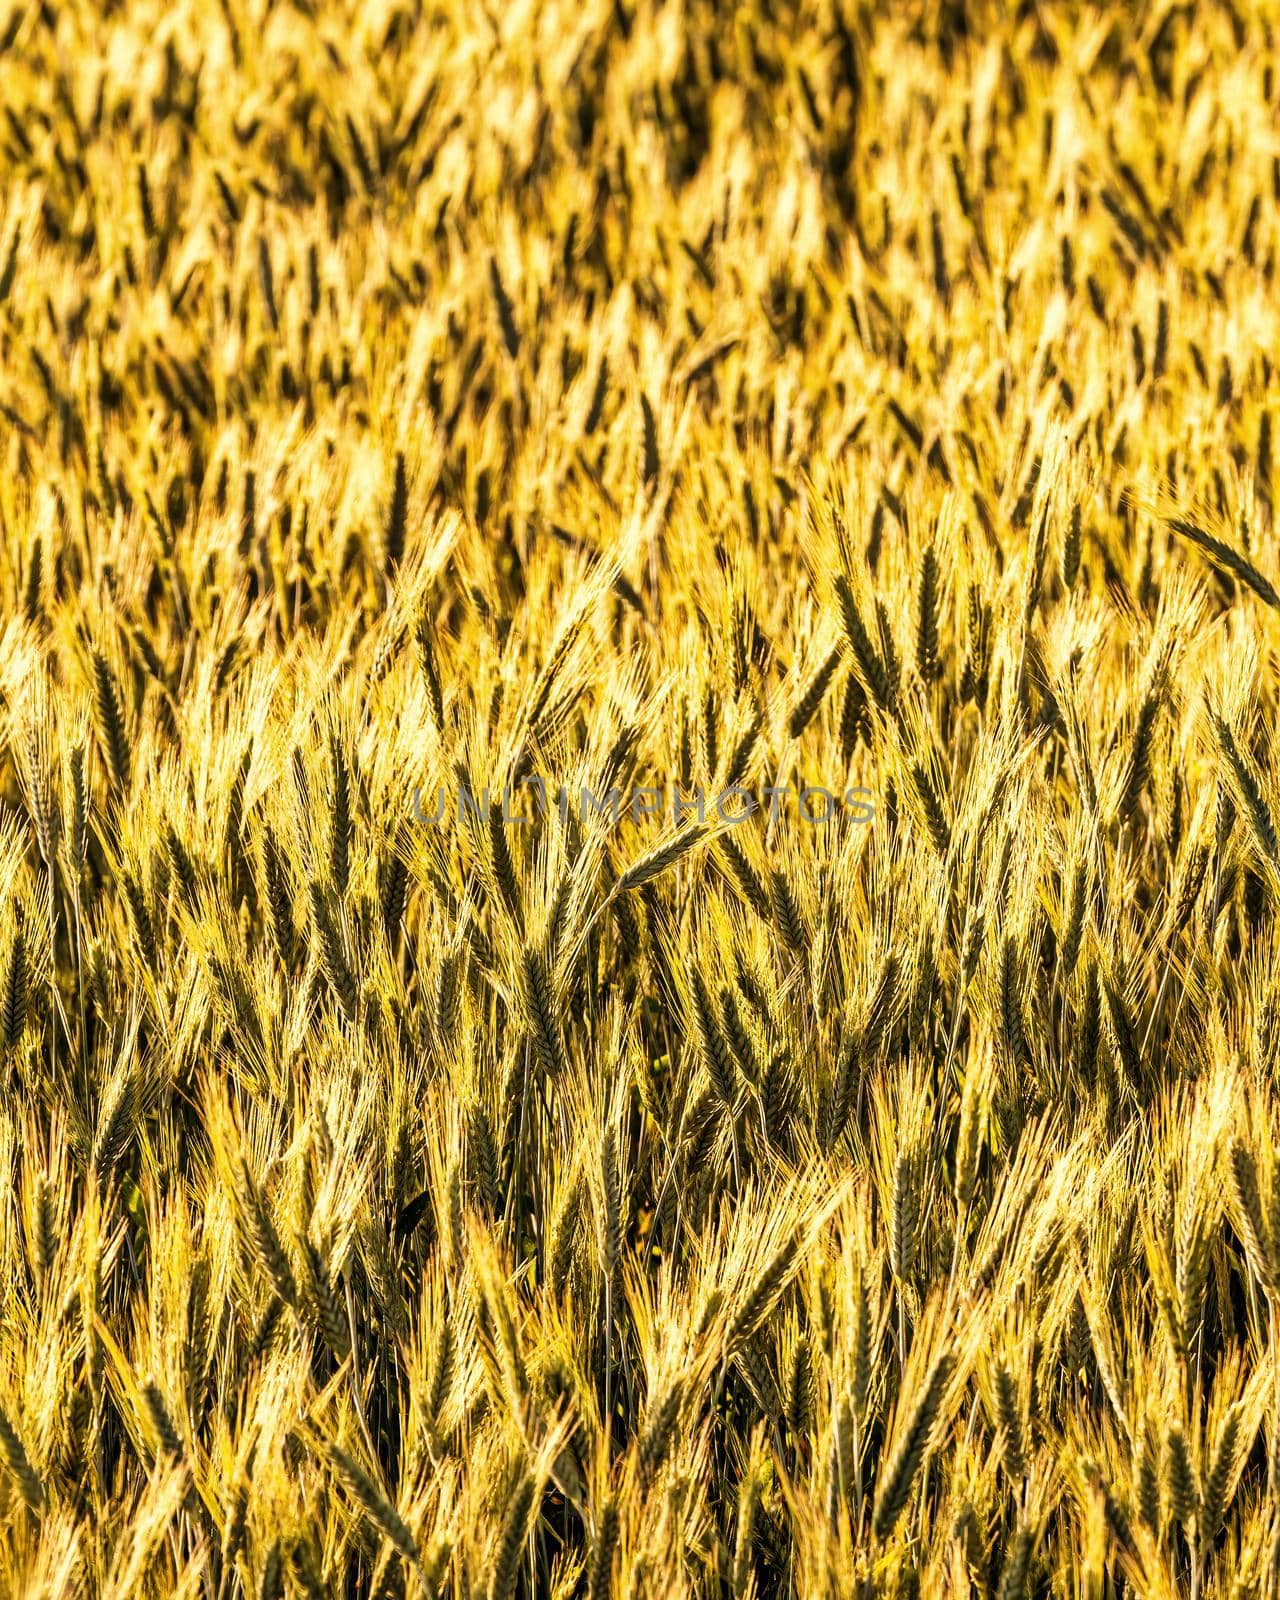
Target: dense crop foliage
x: 409, y: 411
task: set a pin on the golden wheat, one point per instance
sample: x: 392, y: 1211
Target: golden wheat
x: 638, y: 819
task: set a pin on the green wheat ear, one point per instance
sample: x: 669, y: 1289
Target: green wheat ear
x: 111, y: 727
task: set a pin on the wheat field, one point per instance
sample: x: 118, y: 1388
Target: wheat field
x: 451, y: 1148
